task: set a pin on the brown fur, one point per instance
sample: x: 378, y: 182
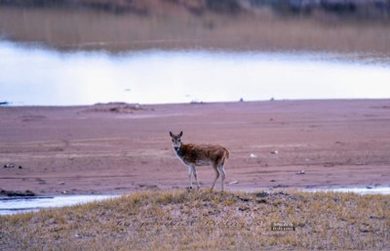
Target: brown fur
x: 213, y: 154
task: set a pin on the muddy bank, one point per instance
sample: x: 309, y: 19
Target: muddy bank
x: 273, y: 144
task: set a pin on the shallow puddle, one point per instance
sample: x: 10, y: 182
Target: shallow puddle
x: 358, y: 190
x: 13, y: 205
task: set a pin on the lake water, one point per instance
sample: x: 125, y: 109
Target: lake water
x: 41, y: 76
x: 13, y: 205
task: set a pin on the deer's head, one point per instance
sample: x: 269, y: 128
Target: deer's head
x: 176, y: 140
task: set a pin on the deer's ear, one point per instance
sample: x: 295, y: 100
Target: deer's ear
x: 181, y: 134
x: 170, y: 134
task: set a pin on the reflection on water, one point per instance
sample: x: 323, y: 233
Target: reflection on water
x: 38, y: 76
x: 31, y: 204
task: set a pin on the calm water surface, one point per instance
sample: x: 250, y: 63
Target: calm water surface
x: 13, y: 205
x: 40, y: 76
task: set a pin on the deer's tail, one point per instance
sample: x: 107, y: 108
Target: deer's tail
x: 227, y: 153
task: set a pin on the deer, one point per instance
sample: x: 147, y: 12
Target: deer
x: 193, y: 155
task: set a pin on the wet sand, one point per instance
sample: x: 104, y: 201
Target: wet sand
x: 116, y: 148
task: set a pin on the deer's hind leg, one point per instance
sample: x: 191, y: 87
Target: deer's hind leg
x: 216, y: 176
x: 221, y: 170
x: 195, y: 176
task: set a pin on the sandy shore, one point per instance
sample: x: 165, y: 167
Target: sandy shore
x: 119, y: 148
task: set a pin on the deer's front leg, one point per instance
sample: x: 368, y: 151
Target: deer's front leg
x: 190, y: 171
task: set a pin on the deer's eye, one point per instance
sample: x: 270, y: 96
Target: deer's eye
x: 173, y: 141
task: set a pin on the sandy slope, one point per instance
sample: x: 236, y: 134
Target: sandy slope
x: 120, y: 148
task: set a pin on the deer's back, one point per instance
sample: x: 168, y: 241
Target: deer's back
x: 204, y: 154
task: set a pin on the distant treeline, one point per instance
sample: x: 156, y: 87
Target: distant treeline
x: 369, y: 9
x: 356, y: 8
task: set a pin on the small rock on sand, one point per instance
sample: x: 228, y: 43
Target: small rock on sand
x: 233, y: 182
x: 9, y: 165
x: 262, y: 194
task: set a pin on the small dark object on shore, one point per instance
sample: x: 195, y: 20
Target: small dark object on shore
x: 280, y: 186
x: 282, y: 193
x: 4, y: 103
x: 262, y: 194
x: 20, y: 167
x: 243, y: 199
x: 16, y: 193
x: 9, y: 165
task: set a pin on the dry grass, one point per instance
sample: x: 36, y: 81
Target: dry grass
x: 176, y: 28
x: 176, y: 220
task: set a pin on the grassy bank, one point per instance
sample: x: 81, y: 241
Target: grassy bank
x: 203, y: 220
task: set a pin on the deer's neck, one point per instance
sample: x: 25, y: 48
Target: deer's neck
x: 179, y: 150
